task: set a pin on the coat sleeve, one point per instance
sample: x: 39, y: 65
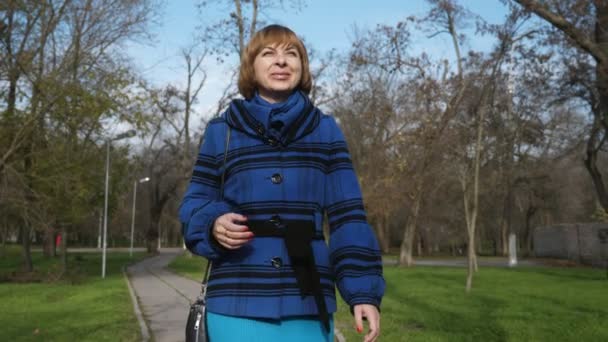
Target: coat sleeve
x: 355, y: 254
x: 201, y: 205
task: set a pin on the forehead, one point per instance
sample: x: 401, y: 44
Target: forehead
x: 275, y: 39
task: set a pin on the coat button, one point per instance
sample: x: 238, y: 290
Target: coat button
x: 276, y: 178
x: 275, y: 220
x: 276, y: 262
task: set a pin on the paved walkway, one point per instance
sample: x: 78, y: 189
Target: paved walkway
x: 163, y: 296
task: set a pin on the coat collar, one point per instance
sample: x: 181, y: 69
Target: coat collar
x: 239, y: 118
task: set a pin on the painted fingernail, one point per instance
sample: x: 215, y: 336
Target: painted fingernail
x: 359, y: 330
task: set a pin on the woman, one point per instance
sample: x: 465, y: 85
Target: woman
x: 287, y: 164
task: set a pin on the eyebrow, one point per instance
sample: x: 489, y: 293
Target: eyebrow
x: 289, y: 47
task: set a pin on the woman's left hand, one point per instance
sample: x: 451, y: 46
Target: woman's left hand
x: 370, y: 312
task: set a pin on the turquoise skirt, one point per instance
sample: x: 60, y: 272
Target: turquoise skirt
x: 223, y: 328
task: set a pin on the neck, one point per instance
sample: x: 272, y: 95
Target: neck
x: 274, y: 97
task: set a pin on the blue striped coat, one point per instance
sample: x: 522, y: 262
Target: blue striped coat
x: 301, y: 175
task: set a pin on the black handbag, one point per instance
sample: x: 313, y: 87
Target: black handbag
x: 196, y: 326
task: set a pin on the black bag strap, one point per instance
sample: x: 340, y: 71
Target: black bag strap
x: 208, y: 268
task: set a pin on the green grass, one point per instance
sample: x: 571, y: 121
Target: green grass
x: 521, y: 304
x: 80, y: 306
x: 189, y: 266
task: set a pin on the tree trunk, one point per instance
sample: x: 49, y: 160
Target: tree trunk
x: 383, y: 236
x: 530, y: 242
x: 601, y: 111
x: 591, y: 162
x: 48, y: 242
x: 405, y: 253
x: 152, y: 233
x: 25, y: 242
x: 472, y: 262
x: 527, y: 234
x: 471, y: 210
x: 478, y: 239
x: 504, y: 238
x: 27, y: 166
x: 506, y: 219
x: 64, y: 250
x: 407, y: 244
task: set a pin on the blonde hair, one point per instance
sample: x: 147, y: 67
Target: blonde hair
x: 269, y: 36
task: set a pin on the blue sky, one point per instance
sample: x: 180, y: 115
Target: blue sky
x: 324, y: 24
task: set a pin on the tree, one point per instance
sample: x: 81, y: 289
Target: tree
x: 582, y: 26
x: 61, y: 62
x: 229, y: 36
x: 446, y: 15
x: 367, y: 110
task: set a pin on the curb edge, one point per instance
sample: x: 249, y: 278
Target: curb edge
x: 145, y: 330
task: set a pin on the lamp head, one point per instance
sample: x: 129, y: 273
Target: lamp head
x: 128, y: 134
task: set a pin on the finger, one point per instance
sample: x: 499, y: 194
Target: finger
x: 374, y: 323
x: 231, y: 243
x: 358, y: 319
x: 234, y: 227
x: 234, y: 217
x: 374, y: 329
x: 231, y: 218
x: 218, y: 231
x: 246, y: 235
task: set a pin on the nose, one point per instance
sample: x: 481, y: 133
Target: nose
x: 281, y: 60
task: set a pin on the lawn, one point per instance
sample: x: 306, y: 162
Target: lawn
x: 80, y: 306
x: 520, y: 304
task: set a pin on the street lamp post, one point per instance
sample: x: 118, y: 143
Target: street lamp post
x: 143, y: 180
x: 127, y: 134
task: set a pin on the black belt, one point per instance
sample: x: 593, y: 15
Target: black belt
x: 298, y: 235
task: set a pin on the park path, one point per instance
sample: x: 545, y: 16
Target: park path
x: 163, y: 296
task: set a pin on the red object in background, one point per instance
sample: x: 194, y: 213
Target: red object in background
x: 58, y: 241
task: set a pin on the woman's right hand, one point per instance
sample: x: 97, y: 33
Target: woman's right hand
x: 229, y: 231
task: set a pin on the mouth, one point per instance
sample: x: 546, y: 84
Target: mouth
x: 280, y: 75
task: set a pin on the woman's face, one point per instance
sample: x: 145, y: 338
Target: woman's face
x: 278, y: 70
